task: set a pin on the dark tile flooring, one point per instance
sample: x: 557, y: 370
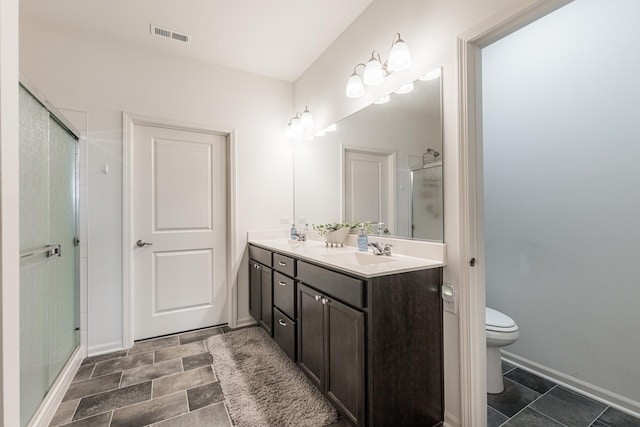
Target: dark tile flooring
x: 531, y: 401
x: 163, y: 382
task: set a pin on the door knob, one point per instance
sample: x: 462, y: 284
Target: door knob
x: 141, y: 243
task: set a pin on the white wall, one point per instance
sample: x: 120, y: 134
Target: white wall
x: 80, y: 71
x: 430, y: 28
x: 561, y: 190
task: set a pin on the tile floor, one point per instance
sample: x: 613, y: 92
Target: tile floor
x: 163, y: 382
x: 531, y: 401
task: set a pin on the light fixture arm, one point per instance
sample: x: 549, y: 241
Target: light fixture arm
x: 355, y: 69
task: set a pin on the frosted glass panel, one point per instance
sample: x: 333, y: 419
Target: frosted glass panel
x: 34, y: 175
x: 34, y: 233
x: 48, y: 285
x: 63, y: 310
x: 426, y: 203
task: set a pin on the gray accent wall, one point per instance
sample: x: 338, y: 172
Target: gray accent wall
x: 561, y: 106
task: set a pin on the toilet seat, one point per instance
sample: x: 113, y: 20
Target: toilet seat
x: 499, y: 322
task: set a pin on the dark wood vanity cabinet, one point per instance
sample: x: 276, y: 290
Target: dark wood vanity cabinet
x: 373, y: 346
x: 331, y: 350
x: 261, y: 288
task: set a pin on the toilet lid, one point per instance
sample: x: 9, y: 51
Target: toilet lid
x: 497, y: 321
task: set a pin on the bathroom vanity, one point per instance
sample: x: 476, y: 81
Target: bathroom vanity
x: 365, y: 329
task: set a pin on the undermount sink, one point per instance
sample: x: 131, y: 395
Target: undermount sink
x: 358, y: 258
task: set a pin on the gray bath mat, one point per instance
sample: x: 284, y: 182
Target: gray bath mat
x: 262, y: 386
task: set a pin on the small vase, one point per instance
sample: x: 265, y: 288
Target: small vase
x: 337, y: 237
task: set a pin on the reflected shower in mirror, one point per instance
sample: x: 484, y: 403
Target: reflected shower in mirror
x: 382, y: 164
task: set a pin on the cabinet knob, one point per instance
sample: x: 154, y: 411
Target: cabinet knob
x: 325, y: 300
x: 282, y: 323
x: 318, y: 297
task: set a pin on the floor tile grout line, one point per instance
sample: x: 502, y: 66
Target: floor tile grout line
x: 133, y: 404
x: 526, y: 386
x: 525, y: 407
x: 547, y: 415
x: 599, y: 415
x: 226, y: 409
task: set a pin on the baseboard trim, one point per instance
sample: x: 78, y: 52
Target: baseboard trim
x: 594, y: 392
x: 105, y: 348
x: 451, y: 420
x: 245, y: 321
x: 47, y: 409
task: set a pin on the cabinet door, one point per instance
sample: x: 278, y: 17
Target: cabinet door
x: 255, y: 290
x: 311, y: 335
x: 345, y: 359
x: 266, y: 283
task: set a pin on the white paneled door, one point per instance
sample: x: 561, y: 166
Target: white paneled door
x: 368, y: 191
x: 179, y: 230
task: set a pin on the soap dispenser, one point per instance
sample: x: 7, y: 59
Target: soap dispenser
x: 294, y: 232
x: 363, y: 240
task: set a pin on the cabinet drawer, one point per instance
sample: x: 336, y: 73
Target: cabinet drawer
x: 284, y: 333
x: 284, y: 264
x: 263, y: 256
x: 284, y: 294
x: 347, y: 289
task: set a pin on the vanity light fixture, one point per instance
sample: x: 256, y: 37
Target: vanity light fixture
x: 298, y: 124
x: 382, y: 100
x: 405, y: 88
x: 431, y: 75
x: 375, y: 71
x: 355, y: 86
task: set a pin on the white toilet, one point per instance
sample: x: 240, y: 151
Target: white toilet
x: 501, y: 330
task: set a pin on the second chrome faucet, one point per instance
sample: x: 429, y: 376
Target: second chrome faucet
x: 380, y: 249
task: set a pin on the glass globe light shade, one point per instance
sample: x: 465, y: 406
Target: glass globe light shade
x: 296, y: 125
x: 307, y: 119
x: 288, y: 132
x: 355, y: 88
x: 382, y: 100
x: 373, y: 74
x: 431, y: 75
x: 406, y: 88
x: 399, y: 57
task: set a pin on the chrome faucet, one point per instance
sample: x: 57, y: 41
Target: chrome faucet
x: 379, y: 249
x: 387, y: 249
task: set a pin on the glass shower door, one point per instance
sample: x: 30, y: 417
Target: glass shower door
x: 49, y: 312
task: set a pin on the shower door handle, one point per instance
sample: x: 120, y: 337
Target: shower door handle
x: 141, y: 243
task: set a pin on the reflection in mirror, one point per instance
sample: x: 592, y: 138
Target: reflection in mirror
x: 382, y: 164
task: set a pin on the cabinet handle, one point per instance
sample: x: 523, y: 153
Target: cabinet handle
x: 257, y: 266
x: 282, y: 323
x: 318, y: 297
x: 325, y: 300
x: 282, y: 263
x: 281, y: 283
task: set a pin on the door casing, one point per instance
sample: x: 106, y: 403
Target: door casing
x: 129, y: 121
x: 470, y: 196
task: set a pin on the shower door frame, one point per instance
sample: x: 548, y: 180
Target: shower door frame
x: 45, y: 412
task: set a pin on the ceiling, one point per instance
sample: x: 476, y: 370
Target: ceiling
x: 279, y: 39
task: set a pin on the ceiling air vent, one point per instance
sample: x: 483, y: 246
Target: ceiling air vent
x: 170, y: 34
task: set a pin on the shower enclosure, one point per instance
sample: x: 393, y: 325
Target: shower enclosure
x: 49, y: 279
x: 426, y: 202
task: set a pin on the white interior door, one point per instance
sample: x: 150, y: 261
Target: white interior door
x: 179, y: 230
x: 368, y: 189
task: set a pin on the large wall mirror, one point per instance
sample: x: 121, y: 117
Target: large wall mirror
x: 382, y: 164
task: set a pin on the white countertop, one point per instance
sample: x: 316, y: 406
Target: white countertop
x: 344, y: 258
